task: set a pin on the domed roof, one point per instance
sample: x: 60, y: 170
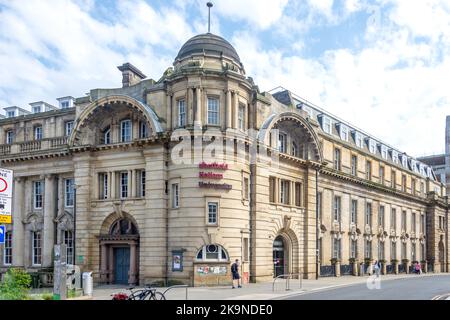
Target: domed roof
x: 208, y: 43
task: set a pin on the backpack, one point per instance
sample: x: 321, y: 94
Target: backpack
x: 234, y: 268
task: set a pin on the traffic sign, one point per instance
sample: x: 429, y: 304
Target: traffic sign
x: 6, y: 178
x: 2, y: 234
x: 6, y: 186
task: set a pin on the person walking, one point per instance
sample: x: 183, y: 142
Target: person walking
x: 235, y: 274
x: 418, y: 268
x: 376, y: 268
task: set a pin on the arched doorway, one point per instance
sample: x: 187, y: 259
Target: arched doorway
x: 119, y: 252
x: 442, y: 255
x: 280, y: 257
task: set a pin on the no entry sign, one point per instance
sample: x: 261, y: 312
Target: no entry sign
x: 6, y: 185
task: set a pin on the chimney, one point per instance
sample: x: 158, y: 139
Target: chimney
x: 130, y: 75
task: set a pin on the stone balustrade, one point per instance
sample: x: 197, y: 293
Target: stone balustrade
x: 34, y: 145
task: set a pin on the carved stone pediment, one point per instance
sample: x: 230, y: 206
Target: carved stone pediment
x: 34, y: 221
x: 65, y: 221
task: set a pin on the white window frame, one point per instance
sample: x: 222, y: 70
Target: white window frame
x: 38, y: 133
x: 36, y: 259
x: 36, y: 109
x: 143, y: 130
x: 210, y: 206
x: 404, y: 161
x: 384, y: 152
x: 181, y: 105
x: 11, y: 114
x: 142, y: 181
x: 213, y: 111
x: 353, y: 211
x: 124, y: 184
x: 103, y: 177
x: 37, y: 197
x: 337, y: 209
x: 68, y: 241
x: 285, y: 192
x: 126, y: 135
x: 354, y: 164
x: 359, y: 140
x: 282, y: 142
x: 372, y: 146
x: 65, y: 104
x: 175, y: 195
x: 241, y: 117
x: 9, y: 136
x: 395, y: 156
x: 68, y: 127
x: 107, y: 135
x: 327, y: 124
x: 343, y: 132
x: 69, y: 192
x: 220, y: 253
x: 7, y: 249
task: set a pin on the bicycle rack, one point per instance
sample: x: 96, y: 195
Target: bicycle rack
x: 289, y: 276
x: 177, y: 286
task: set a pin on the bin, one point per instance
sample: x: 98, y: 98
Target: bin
x: 88, y: 283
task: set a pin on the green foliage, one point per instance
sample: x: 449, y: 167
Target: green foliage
x: 15, y: 285
x: 47, y: 296
x: 73, y: 293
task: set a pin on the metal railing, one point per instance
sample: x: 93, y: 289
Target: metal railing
x: 177, y: 286
x: 287, y: 276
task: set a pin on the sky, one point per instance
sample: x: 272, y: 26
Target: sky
x: 382, y: 65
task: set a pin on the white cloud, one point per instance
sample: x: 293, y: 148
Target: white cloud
x: 259, y: 13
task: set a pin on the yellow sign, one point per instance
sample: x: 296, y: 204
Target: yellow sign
x: 5, y: 219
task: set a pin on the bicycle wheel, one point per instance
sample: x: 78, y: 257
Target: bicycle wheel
x: 138, y: 295
x: 157, y: 296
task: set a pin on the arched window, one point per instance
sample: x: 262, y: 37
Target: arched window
x: 123, y: 227
x: 212, y: 252
x: 107, y: 135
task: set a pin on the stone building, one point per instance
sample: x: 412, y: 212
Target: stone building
x: 176, y: 178
x: 441, y: 162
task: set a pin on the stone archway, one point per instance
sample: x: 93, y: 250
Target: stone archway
x: 119, y: 250
x: 285, y: 254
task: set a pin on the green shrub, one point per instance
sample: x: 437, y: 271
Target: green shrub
x: 15, y: 285
x: 47, y: 296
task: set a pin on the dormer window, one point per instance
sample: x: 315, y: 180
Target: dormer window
x: 384, y: 152
x: 38, y: 133
x: 372, y: 146
x: 11, y: 114
x: 282, y: 142
x: 404, y: 161
x: 343, y: 132
x: 294, y: 149
x: 64, y: 104
x: 68, y: 128
x: 422, y: 169
x: 395, y: 156
x: 326, y: 124
x: 359, y: 140
x: 36, y: 109
x: 143, y: 130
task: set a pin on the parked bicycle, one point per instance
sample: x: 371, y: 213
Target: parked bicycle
x: 147, y: 293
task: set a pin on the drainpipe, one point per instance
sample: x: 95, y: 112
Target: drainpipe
x: 166, y: 277
x: 317, y: 224
x: 250, y: 213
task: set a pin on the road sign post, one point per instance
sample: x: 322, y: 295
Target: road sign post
x: 60, y: 273
x: 6, y: 187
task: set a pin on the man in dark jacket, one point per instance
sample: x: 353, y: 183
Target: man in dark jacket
x: 235, y: 273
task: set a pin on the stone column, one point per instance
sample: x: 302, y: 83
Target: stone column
x: 18, y: 232
x: 383, y: 268
x: 104, y: 263
x: 236, y: 110
x: 111, y: 264
x: 228, y: 109
x: 133, y: 266
x: 190, y: 107
x: 49, y: 223
x: 112, y: 183
x: 169, y: 111
x: 310, y: 224
x: 337, y: 268
x: 132, y: 182
x: 396, y: 267
x: 198, y: 107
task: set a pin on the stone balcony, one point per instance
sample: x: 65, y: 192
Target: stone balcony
x: 7, y: 150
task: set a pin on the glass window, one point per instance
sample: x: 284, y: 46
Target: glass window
x: 354, y: 249
x: 393, y: 179
x: 294, y: 149
x: 38, y: 133
x: 212, y: 252
x: 369, y: 170
x: 381, y: 217
x: 372, y: 146
x: 404, y: 220
x: 36, y: 109
x: 64, y: 104
x: 175, y: 196
x: 395, y: 157
x: 337, y: 159
x: 272, y: 195
x: 327, y: 125
x: 36, y: 250
x: 354, y: 213
x: 68, y: 241
x: 245, y: 189
x: 241, y: 118
x: 143, y: 130
x: 124, y: 184
x: 284, y: 192
x: 10, y: 114
x: 282, y: 142
x: 393, y: 219
x: 181, y: 113
x: 336, y: 248
x: 393, y: 250
x: 337, y: 209
x: 381, y: 175
x: 213, y: 111
x: 9, y: 137
x: 7, y: 251
x: 359, y: 139
x: 369, y: 214
x: 212, y: 212
x: 384, y: 152
x: 107, y: 136
x: 103, y: 184
x: 380, y: 250
x: 403, y: 250
x: 141, y: 183
x: 368, y: 249
x: 125, y: 130
x: 68, y: 128
x: 69, y: 192
x: 413, y: 222
x: 37, y: 194
x: 298, y: 194
x: 354, y: 165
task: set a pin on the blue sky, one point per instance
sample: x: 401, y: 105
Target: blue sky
x: 382, y: 65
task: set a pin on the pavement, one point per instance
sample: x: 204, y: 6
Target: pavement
x: 263, y: 291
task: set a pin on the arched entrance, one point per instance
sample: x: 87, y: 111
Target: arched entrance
x: 442, y: 255
x: 280, y: 256
x: 119, y: 252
